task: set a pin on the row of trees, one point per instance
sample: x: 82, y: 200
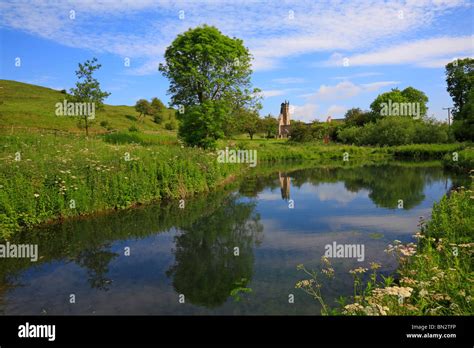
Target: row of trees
x: 372, y: 127
x: 158, y: 111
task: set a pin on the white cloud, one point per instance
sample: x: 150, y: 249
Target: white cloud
x: 353, y: 76
x: 336, y: 110
x: 104, y: 26
x: 347, y: 90
x: 273, y: 93
x: 434, y: 52
x: 289, y: 80
x: 305, y: 113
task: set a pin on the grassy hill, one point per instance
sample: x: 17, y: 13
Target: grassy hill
x: 23, y: 105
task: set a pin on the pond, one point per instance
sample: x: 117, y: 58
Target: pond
x: 230, y: 252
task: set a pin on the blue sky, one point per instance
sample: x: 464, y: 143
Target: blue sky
x: 322, y: 56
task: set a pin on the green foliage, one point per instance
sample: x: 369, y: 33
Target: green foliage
x: 408, y: 95
x: 460, y: 80
x: 209, y: 74
x: 96, y: 174
x: 249, y: 122
x: 464, y: 161
x: 143, y: 107
x: 87, y: 89
x: 300, y: 132
x: 171, y: 125
x: 463, y: 124
x: 269, y: 125
x: 394, y: 131
x: 133, y: 129
x: 203, y: 64
x: 356, y: 117
x: 201, y: 125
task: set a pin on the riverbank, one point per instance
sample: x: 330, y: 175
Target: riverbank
x: 48, y: 176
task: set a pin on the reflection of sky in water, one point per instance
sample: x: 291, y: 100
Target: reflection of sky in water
x: 139, y: 284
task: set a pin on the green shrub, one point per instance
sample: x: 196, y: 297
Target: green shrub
x: 170, y: 125
x: 133, y: 129
x: 394, y: 131
x: 131, y: 118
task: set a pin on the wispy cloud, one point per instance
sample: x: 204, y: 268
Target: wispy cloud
x: 435, y: 52
x: 347, y: 90
x: 289, y: 80
x: 359, y: 75
x: 269, y: 29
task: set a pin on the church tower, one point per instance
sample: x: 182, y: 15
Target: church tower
x: 284, y: 120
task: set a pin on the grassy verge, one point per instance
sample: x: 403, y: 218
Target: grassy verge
x: 45, y: 177
x: 461, y: 161
x: 435, y: 275
x: 278, y: 149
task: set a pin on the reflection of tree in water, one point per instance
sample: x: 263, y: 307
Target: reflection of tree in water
x: 386, y: 183
x: 206, y: 269
x: 96, y: 260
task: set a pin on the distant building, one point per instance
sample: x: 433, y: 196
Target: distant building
x: 284, y: 120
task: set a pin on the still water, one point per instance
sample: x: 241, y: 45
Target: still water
x: 140, y: 261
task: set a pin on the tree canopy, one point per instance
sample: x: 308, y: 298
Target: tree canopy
x: 203, y: 64
x: 208, y: 73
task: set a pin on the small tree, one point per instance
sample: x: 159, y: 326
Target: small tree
x: 143, y: 108
x: 249, y: 122
x: 158, y: 110
x: 88, y: 88
x: 269, y: 126
x: 356, y: 117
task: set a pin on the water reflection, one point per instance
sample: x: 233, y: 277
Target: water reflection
x: 192, y: 251
x: 215, y: 253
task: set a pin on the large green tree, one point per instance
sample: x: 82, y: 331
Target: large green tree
x: 203, y: 64
x: 205, y: 67
x: 395, y: 96
x: 460, y: 80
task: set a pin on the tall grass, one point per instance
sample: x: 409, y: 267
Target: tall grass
x: 61, y: 176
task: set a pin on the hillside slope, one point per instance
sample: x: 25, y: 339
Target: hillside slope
x: 32, y: 107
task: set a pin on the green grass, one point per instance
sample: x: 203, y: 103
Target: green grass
x: 463, y: 160
x: 54, y: 170
x: 32, y: 107
x: 425, y: 151
x: 280, y: 149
